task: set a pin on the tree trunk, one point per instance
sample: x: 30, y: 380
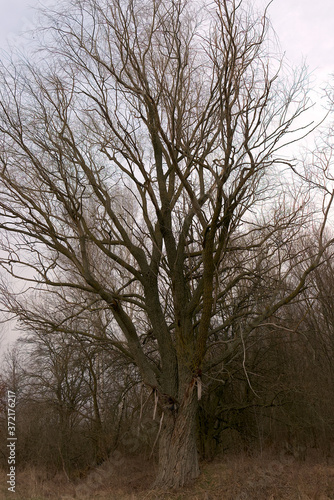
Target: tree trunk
x: 178, y: 458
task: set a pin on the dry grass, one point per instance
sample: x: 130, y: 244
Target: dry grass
x: 235, y: 478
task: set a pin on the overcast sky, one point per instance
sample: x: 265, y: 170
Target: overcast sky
x: 15, y: 16
x: 304, y: 27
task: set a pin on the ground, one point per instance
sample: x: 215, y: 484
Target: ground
x: 236, y: 477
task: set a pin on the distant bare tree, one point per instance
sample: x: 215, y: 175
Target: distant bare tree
x: 137, y: 156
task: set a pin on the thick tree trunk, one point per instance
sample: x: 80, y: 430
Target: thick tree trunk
x: 178, y: 457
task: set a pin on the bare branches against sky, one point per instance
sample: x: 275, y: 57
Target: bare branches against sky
x: 304, y: 28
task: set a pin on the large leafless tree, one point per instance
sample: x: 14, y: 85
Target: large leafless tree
x: 141, y: 163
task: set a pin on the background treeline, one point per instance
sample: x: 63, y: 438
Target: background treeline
x: 80, y: 401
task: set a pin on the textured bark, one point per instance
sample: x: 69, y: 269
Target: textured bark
x: 178, y: 457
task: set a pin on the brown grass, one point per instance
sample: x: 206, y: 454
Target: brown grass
x: 234, y: 478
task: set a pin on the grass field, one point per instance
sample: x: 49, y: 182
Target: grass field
x: 234, y: 478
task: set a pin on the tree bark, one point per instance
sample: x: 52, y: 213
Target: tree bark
x: 178, y: 457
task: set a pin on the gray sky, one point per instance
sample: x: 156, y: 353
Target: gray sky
x: 15, y: 15
x: 305, y: 30
x: 304, y: 27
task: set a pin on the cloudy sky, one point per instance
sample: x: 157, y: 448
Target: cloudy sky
x: 304, y: 27
x: 15, y: 16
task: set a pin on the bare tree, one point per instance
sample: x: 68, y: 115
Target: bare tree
x: 136, y: 161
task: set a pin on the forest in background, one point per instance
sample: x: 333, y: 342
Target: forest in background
x: 81, y: 403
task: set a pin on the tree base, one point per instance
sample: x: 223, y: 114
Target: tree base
x: 178, y: 456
